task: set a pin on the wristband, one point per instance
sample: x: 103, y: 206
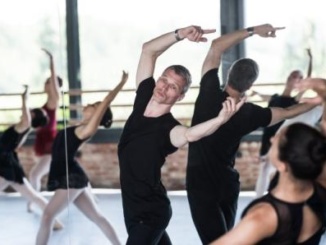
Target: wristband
x: 250, y: 30
x: 176, y: 35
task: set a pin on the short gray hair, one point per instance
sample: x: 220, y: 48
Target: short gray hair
x: 184, y: 73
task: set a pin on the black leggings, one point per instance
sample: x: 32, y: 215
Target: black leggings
x: 143, y: 234
x: 212, y: 219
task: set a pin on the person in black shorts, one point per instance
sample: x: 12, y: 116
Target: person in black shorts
x: 11, y: 172
x: 74, y: 182
x: 293, y: 211
x: 151, y: 133
x: 212, y: 182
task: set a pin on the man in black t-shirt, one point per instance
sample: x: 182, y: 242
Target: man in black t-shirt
x: 212, y: 182
x: 151, y: 133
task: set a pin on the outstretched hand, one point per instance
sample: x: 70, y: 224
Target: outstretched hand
x: 47, y: 52
x: 195, y: 33
x: 230, y: 107
x: 267, y: 30
x: 124, y: 77
x: 25, y: 94
x: 309, y: 52
x: 316, y: 84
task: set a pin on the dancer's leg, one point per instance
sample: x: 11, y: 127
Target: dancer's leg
x: 57, y: 203
x: 86, y: 204
x: 27, y: 191
x: 89, y: 190
x: 3, y: 184
x: 40, y: 169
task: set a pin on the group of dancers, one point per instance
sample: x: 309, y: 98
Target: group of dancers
x: 292, y: 212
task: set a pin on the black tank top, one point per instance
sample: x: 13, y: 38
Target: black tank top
x: 290, y: 219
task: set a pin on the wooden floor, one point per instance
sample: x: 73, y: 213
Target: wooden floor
x: 17, y: 227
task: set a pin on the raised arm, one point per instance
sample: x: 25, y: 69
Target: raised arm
x: 54, y: 88
x: 181, y: 135
x: 310, y: 63
x: 87, y: 130
x: 309, y: 71
x: 258, y: 224
x: 224, y: 42
x: 25, y: 121
x: 152, y: 49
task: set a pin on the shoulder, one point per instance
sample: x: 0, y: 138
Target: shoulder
x: 262, y: 214
x: 148, y: 82
x: 259, y: 223
x: 210, y: 79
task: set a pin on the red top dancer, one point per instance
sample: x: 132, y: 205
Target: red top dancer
x: 46, y: 135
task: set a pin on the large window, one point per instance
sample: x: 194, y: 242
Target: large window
x: 305, y: 28
x: 25, y: 28
x: 111, y: 37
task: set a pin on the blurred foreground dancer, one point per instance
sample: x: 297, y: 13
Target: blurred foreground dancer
x: 293, y: 211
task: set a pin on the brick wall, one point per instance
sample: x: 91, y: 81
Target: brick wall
x: 100, y: 162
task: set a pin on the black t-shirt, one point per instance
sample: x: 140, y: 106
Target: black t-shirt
x: 211, y: 159
x: 11, y: 139
x: 275, y: 101
x: 10, y: 168
x: 143, y: 146
x: 64, y: 148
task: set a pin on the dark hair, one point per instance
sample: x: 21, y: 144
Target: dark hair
x: 183, y: 72
x: 303, y: 148
x: 60, y: 81
x: 242, y: 74
x: 39, y: 118
x: 107, y: 118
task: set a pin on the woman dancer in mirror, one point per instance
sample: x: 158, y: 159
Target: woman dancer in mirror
x: 11, y: 171
x: 74, y: 182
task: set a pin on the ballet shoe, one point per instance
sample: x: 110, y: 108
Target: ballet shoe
x: 57, y: 226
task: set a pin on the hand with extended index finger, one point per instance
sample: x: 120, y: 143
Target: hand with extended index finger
x: 195, y: 33
x: 267, y: 30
